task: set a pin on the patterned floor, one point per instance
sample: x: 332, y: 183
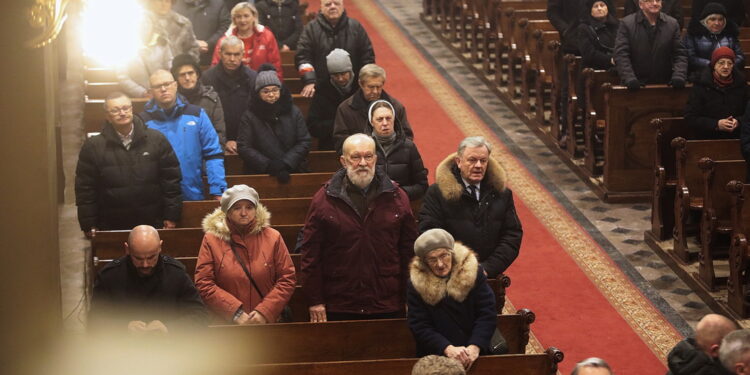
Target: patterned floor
x: 618, y: 228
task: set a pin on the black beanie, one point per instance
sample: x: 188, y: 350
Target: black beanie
x: 713, y: 8
x: 181, y: 60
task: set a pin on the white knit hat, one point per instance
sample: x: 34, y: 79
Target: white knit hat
x: 237, y: 193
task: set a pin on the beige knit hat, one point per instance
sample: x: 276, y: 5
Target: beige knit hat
x: 433, y: 239
x: 237, y: 193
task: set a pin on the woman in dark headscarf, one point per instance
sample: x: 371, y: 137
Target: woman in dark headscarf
x: 596, y: 35
x: 707, y: 33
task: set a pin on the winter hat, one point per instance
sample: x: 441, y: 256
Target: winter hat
x: 237, y: 193
x: 713, y: 8
x: 369, y: 111
x: 433, y: 239
x: 266, y: 77
x: 720, y: 53
x: 181, y: 60
x: 338, y: 61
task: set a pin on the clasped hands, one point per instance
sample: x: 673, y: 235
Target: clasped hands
x: 253, y: 318
x: 464, y: 354
x: 140, y: 327
x: 727, y: 124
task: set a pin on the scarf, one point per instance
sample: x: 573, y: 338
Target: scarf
x: 723, y: 82
x: 192, y: 95
x: 386, y: 142
x: 238, y: 232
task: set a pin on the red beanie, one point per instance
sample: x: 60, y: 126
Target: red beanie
x: 720, y: 53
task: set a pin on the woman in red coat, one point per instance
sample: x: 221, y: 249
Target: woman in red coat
x: 260, y: 43
x: 239, y: 238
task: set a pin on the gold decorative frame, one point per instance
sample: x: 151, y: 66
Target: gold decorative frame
x: 50, y: 15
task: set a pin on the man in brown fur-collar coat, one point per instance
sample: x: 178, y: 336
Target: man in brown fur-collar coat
x: 470, y: 200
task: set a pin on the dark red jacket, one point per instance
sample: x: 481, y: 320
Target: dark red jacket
x: 353, y: 264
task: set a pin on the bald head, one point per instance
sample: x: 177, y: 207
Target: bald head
x: 163, y: 88
x: 143, y: 247
x: 709, y: 332
x: 357, y: 141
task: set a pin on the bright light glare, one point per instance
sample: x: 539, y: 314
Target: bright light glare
x: 110, y: 31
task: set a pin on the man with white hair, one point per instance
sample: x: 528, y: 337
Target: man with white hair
x: 357, y: 241
x: 700, y: 354
x: 592, y: 366
x: 734, y: 352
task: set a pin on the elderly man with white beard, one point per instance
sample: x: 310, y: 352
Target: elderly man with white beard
x: 357, y: 241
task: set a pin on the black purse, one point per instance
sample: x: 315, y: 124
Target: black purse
x: 286, y: 314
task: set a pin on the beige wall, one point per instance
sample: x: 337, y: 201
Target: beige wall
x: 30, y: 313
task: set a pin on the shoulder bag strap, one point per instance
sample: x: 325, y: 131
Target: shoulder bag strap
x: 244, y: 268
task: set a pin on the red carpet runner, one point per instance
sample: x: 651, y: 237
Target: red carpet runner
x: 584, y: 304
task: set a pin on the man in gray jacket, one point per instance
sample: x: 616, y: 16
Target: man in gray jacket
x: 648, y: 49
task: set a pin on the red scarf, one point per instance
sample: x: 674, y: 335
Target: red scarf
x: 723, y: 82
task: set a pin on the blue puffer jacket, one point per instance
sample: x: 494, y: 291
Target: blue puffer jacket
x: 700, y: 44
x: 193, y: 138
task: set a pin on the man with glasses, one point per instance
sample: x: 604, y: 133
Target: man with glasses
x: 648, y: 49
x: 189, y: 130
x: 670, y: 7
x: 126, y: 175
x: 357, y: 241
x: 470, y: 199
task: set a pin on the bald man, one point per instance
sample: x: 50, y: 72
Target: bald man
x: 699, y: 355
x: 145, y: 291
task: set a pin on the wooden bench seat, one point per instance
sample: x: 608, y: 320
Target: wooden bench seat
x: 300, y: 185
x: 518, y: 47
x: 548, y: 49
x: 594, y: 117
x: 739, y: 249
x: 505, y: 16
x: 317, y: 162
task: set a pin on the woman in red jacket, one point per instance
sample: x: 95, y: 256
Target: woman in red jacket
x: 244, y: 272
x: 260, y: 43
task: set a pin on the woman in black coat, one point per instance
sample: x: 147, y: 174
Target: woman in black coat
x: 273, y: 137
x: 596, y: 35
x: 451, y: 308
x: 283, y: 18
x: 397, y: 154
x: 718, y: 98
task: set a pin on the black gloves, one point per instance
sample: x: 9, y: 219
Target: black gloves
x: 677, y: 83
x: 275, y: 166
x: 633, y: 84
x: 283, y: 176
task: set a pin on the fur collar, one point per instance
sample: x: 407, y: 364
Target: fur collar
x: 215, y: 222
x: 463, y: 276
x: 451, y: 186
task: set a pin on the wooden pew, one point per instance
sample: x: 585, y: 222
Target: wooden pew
x: 100, y: 89
x: 574, y: 129
x: 548, y: 49
x: 283, y: 211
x: 531, y: 57
x: 300, y: 185
x: 594, y: 118
x: 519, y: 22
x: 505, y: 16
x: 689, y: 186
x: 716, y: 216
x: 739, y: 249
x: 317, y: 162
x: 510, y: 364
x: 347, y: 340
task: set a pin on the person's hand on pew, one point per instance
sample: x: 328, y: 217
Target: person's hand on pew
x: 137, y: 326
x: 458, y: 353
x: 317, y: 313
x: 677, y: 83
x: 91, y: 233
x: 256, y: 318
x: 242, y: 319
x: 231, y: 147
x: 284, y: 47
x: 157, y: 326
x: 203, y: 46
x: 727, y: 124
x: 169, y: 224
x: 633, y: 84
x: 473, y: 352
x: 308, y: 91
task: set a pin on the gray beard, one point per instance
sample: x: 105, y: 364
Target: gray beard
x: 360, y: 181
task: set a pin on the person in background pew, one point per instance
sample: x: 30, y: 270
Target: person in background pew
x: 707, y: 33
x: 734, y: 352
x: 451, y: 308
x: 648, y: 49
x: 596, y: 35
x: 187, y: 72
x: 592, y: 366
x: 189, y: 130
x: 470, y: 200
x: 735, y: 9
x: 352, y: 115
x: 284, y: 19
x: 273, y: 136
x: 244, y: 272
x: 718, y: 98
x: 330, y: 29
x: 672, y: 8
x: 437, y: 365
x: 235, y: 83
x: 210, y: 19
x: 357, y: 241
x: 699, y: 355
x: 259, y: 43
x: 127, y: 175
x: 329, y: 95
x: 397, y: 154
x: 145, y: 286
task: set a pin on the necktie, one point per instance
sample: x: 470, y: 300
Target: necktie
x: 473, y: 191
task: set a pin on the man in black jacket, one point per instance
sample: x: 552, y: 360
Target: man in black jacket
x: 699, y: 355
x: 672, y: 8
x: 127, y: 175
x: 145, y: 291
x: 330, y: 29
x: 470, y: 200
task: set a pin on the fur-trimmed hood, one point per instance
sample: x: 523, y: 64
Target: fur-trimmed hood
x: 463, y: 275
x: 216, y: 224
x: 449, y: 182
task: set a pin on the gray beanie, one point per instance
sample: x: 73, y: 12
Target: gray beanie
x: 433, y: 239
x: 266, y: 78
x: 338, y: 61
x: 237, y: 193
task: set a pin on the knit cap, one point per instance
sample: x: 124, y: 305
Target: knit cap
x: 181, y: 60
x: 720, y: 53
x: 338, y: 61
x: 433, y: 239
x: 266, y: 77
x: 713, y: 8
x: 237, y: 193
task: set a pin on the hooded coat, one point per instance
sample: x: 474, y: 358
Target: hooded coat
x: 207, y: 98
x: 596, y: 39
x: 283, y: 18
x: 119, y: 188
x: 637, y: 57
x: 220, y: 279
x: 319, y: 38
x: 352, y: 263
x: 210, y: 19
x: 489, y: 226
x: 687, y: 359
x: 273, y: 132
x: 708, y: 103
x: 701, y: 43
x: 458, y: 311
x: 234, y: 91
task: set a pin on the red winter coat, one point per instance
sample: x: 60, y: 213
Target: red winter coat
x: 353, y: 264
x: 260, y: 48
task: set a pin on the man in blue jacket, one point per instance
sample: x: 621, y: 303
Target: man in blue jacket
x: 189, y: 130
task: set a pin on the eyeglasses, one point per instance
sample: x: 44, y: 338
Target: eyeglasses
x: 433, y: 261
x: 357, y: 158
x: 162, y: 86
x: 273, y: 90
x: 116, y: 110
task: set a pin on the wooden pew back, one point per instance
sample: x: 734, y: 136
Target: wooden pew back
x: 739, y: 248
x: 317, y: 162
x: 300, y: 185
